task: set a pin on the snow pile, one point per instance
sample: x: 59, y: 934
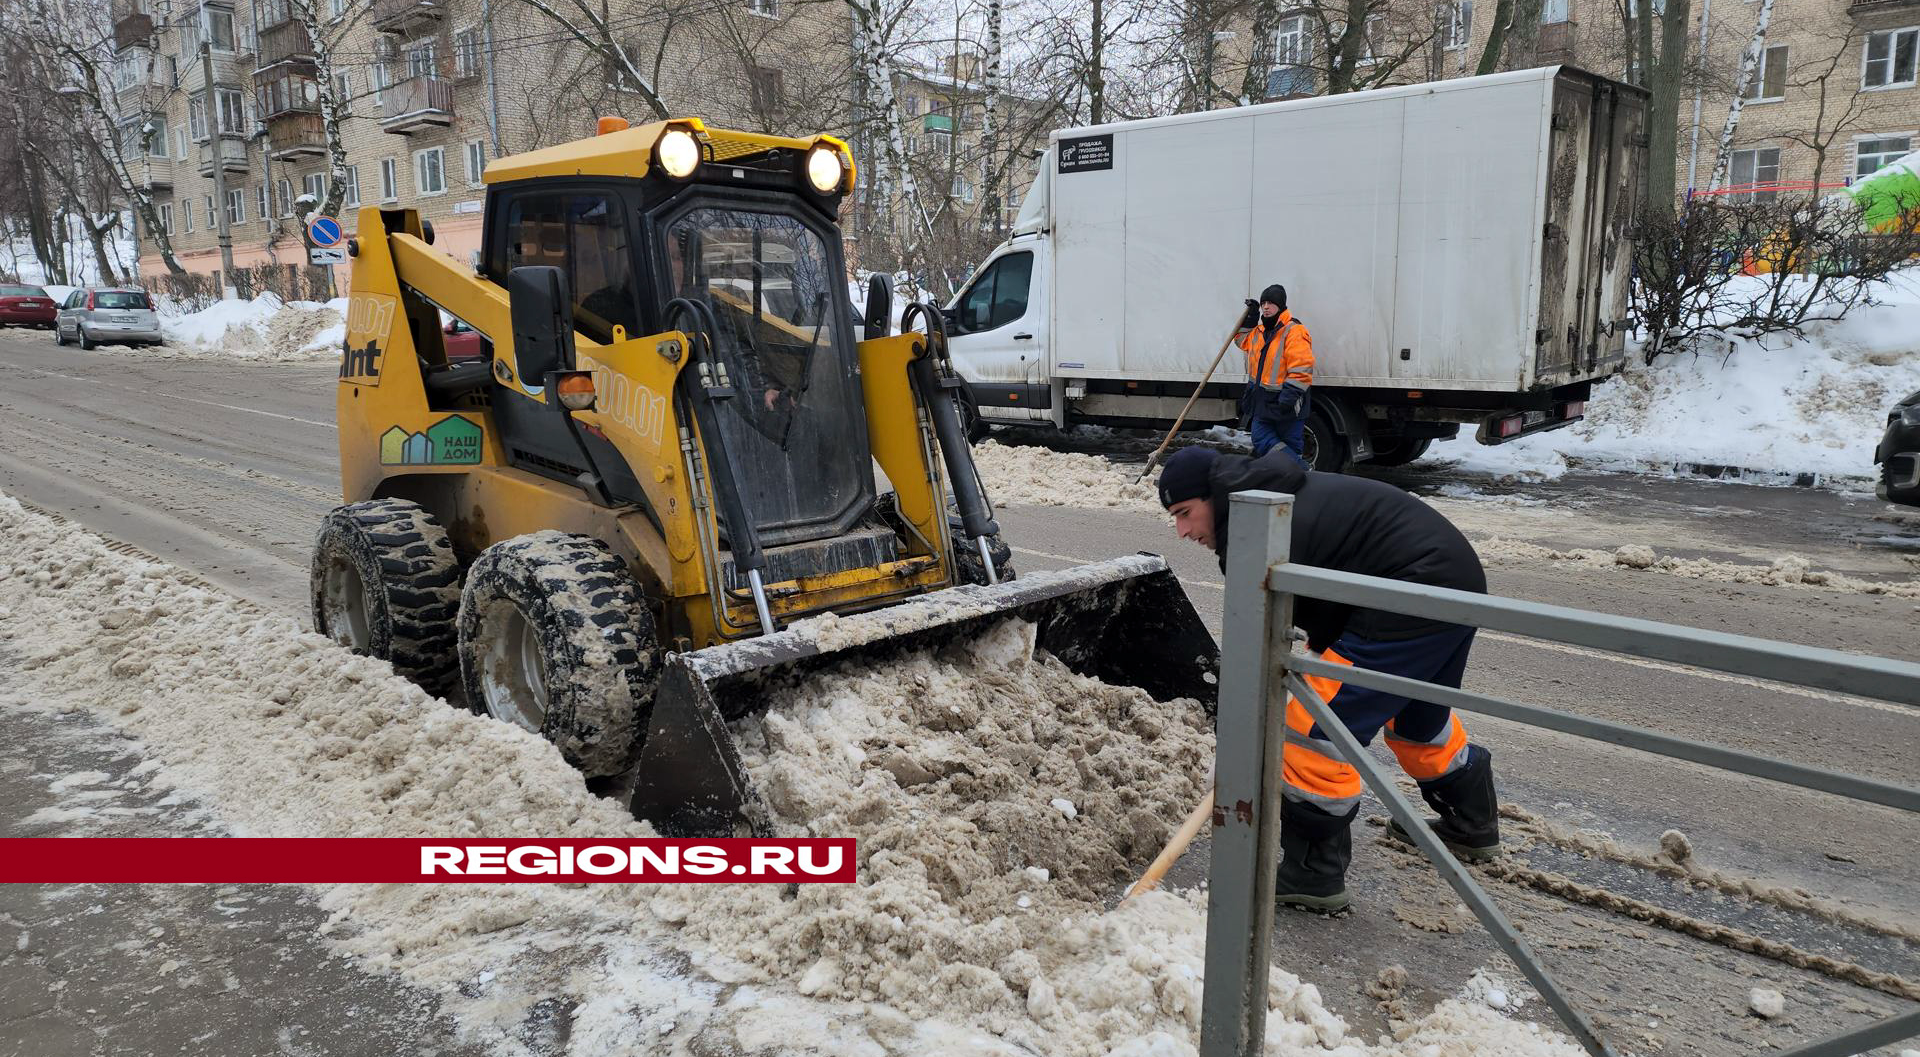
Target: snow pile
x: 76, y: 251
x: 1790, y: 570
x: 1782, y: 404
x: 265, y: 328
x: 1043, y: 477
x: 977, y: 926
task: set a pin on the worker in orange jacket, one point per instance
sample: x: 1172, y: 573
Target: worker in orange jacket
x: 1279, y: 352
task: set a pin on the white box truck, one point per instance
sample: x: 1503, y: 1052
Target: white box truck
x: 1459, y: 250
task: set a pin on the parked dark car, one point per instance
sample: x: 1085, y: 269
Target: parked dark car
x: 25, y: 306
x: 105, y: 315
x: 1899, y: 454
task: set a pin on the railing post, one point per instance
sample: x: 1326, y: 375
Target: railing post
x: 1249, y: 731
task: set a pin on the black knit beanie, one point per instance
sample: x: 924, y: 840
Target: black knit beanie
x: 1276, y: 295
x: 1185, y: 476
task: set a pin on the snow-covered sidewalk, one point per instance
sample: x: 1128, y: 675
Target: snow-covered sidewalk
x: 941, y: 946
x: 1785, y: 406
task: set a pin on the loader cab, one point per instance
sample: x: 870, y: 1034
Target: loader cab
x: 745, y: 236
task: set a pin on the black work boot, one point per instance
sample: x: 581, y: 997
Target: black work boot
x: 1315, y: 848
x: 1469, y: 822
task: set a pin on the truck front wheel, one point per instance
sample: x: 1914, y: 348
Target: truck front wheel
x: 1324, y: 448
x: 1399, y: 451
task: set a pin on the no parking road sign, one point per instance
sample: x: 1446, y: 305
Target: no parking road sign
x: 325, y: 232
x: 323, y: 241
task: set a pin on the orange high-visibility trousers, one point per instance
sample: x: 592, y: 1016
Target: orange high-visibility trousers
x: 1429, y: 740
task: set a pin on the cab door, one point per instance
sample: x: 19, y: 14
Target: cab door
x: 997, y: 331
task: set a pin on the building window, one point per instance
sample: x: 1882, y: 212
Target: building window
x: 219, y: 26
x: 262, y: 202
x: 197, y: 116
x: 767, y: 87
x: 186, y: 215
x: 284, y: 188
x: 1890, y: 59
x: 1293, y: 42
x: 1769, y: 82
x: 166, y: 217
x: 389, y: 180
x: 1872, y: 155
x: 233, y: 109
x: 466, y: 53
x: 353, y: 185
x: 1758, y: 171
x: 237, y: 206
x: 180, y: 143
x: 382, y: 78
x: 337, y: 8
x: 423, y: 58
x: 1552, y: 11
x: 314, y: 186
x: 1460, y: 24
x: 476, y: 162
x: 343, y: 93
x: 429, y: 171
x: 961, y: 189
x: 764, y: 8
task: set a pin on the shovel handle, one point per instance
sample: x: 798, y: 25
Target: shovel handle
x: 1176, y: 846
x: 1154, y: 459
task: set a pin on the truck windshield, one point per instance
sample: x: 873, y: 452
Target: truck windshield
x: 795, y: 426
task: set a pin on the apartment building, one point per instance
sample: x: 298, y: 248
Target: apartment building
x: 1835, y: 91
x: 427, y: 102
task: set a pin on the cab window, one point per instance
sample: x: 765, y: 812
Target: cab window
x: 583, y: 233
x: 998, y: 295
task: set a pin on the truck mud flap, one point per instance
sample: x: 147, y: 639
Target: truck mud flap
x: 1125, y: 621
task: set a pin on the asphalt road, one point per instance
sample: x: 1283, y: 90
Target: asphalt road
x: 225, y: 469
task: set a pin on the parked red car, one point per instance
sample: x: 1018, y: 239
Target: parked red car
x: 25, y: 306
x: 463, y: 342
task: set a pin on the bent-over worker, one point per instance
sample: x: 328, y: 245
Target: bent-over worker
x: 1362, y: 526
x: 1279, y: 373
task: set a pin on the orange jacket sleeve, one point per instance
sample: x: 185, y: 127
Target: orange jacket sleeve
x: 1299, y: 355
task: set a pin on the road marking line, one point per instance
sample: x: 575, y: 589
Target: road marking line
x: 188, y: 399
x: 1602, y: 655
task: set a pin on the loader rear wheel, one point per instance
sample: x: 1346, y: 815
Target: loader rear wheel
x: 554, y: 639
x: 386, y: 584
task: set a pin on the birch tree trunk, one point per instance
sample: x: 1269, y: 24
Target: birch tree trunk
x: 989, y: 127
x: 874, y: 22
x: 1749, y: 63
x: 323, y: 74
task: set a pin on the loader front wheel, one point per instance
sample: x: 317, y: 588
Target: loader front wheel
x: 386, y: 584
x: 554, y: 639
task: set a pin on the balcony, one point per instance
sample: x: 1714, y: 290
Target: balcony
x: 132, y: 24
x: 155, y: 173
x: 1291, y: 82
x: 1556, y: 43
x: 417, y: 103
x: 285, y: 43
x: 937, y: 123
x: 138, y: 69
x: 296, y: 134
x: 231, y: 155
x: 407, y: 18
x: 1884, y: 14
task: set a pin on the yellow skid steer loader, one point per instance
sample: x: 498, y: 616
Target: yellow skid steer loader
x: 671, y: 448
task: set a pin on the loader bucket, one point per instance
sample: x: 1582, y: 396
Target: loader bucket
x: 1124, y: 621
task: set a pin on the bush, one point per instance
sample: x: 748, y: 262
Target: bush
x: 195, y: 291
x: 1754, y: 268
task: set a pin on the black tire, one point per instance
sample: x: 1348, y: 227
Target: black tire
x: 971, y: 423
x: 568, y: 604
x: 972, y: 571
x: 1400, y: 451
x: 1324, y: 449
x: 86, y: 343
x: 385, y: 583
x: 59, y: 338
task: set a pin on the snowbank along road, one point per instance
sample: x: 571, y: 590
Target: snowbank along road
x: 224, y: 470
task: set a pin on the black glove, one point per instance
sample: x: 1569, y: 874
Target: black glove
x: 1288, y: 400
x: 1252, y: 318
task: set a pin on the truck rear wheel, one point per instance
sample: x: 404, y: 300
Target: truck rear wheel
x: 1399, y: 451
x: 1323, y: 448
x: 554, y: 640
x: 385, y: 584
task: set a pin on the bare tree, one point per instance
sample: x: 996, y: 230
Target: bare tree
x: 1750, y: 63
x: 1840, y: 108
x: 594, y: 28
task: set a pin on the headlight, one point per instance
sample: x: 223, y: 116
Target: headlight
x: 677, y: 153
x: 825, y: 170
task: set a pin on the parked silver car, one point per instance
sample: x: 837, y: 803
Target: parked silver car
x: 106, y: 315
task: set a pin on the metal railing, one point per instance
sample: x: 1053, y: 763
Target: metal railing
x: 1258, y: 670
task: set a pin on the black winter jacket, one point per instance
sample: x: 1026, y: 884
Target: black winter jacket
x: 1355, y: 525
